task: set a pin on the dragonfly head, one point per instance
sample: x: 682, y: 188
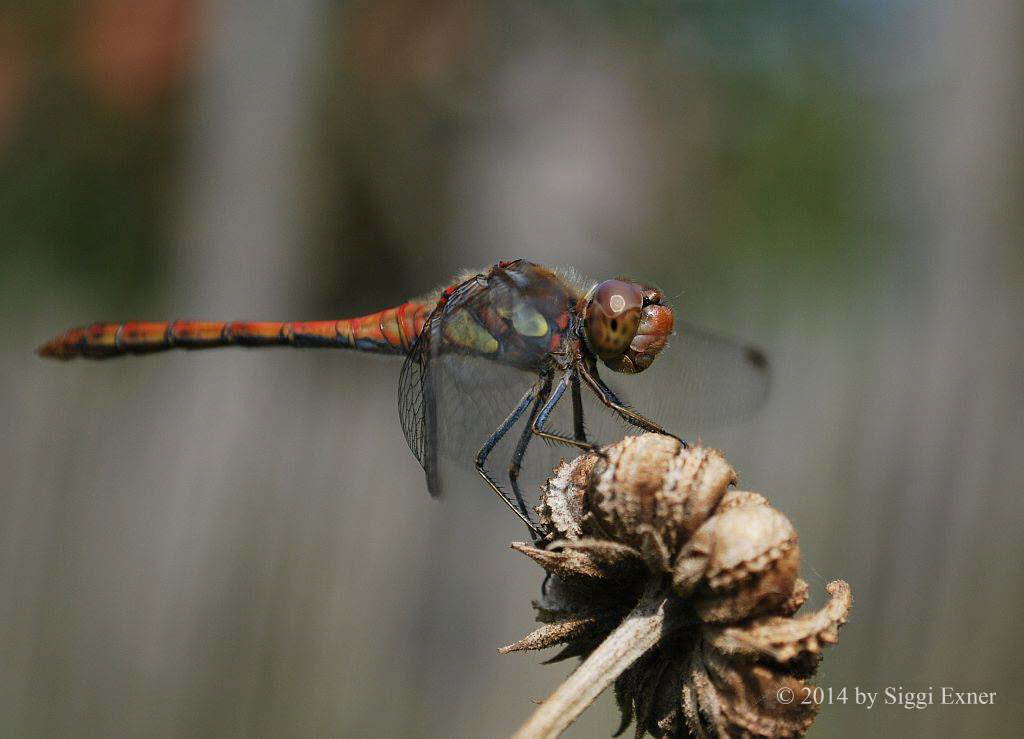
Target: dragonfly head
x: 626, y: 324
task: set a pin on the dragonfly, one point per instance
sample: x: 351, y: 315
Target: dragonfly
x: 494, y: 349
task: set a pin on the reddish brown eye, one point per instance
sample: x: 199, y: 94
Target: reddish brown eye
x: 618, y: 296
x: 626, y: 324
x: 612, y: 317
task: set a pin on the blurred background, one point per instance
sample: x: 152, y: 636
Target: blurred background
x: 239, y: 544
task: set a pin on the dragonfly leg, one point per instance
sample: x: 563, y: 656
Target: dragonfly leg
x: 537, y: 427
x: 609, y: 399
x: 519, y: 506
x: 579, y: 430
x: 524, y: 439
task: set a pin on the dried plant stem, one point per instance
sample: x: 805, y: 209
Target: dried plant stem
x: 638, y: 632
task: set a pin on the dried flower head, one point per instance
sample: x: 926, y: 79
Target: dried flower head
x: 679, y: 589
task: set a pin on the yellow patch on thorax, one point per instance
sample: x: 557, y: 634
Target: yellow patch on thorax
x: 527, y: 321
x: 461, y: 329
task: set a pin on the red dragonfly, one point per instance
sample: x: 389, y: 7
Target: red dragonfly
x: 492, y: 349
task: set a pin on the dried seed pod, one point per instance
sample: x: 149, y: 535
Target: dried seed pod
x: 741, y: 562
x: 562, y: 501
x: 654, y: 482
x: 680, y: 591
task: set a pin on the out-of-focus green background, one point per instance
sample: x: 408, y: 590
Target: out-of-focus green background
x: 238, y: 544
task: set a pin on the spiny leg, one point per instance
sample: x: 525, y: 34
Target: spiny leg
x: 609, y: 399
x: 524, y: 439
x: 578, y: 427
x: 492, y: 441
x: 537, y: 427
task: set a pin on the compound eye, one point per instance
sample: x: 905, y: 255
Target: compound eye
x: 613, y: 315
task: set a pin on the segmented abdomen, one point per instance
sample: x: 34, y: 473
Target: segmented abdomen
x: 390, y: 331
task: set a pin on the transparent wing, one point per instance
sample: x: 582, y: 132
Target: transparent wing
x: 700, y: 381
x: 452, y: 401
x: 413, y: 402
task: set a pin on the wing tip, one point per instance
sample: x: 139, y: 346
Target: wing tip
x: 434, y: 482
x: 756, y: 356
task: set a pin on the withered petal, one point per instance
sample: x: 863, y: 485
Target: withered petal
x: 707, y: 714
x: 559, y: 632
x: 646, y: 695
x: 580, y: 647
x: 691, y: 711
x: 588, y: 558
x: 748, y: 696
x: 785, y: 638
x: 610, y: 556
x: 624, y: 700
x: 665, y: 709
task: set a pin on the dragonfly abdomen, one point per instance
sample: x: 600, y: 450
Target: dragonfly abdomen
x: 390, y: 331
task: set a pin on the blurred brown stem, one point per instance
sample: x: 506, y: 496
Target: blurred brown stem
x: 640, y: 631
